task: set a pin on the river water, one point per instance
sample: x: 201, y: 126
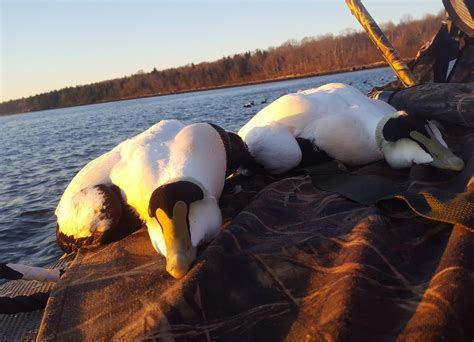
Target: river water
x: 42, y: 151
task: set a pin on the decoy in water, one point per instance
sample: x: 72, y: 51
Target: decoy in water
x: 169, y: 178
x: 340, y: 121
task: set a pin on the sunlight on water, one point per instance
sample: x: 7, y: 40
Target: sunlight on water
x: 42, y: 151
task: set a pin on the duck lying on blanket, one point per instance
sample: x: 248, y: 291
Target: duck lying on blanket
x: 169, y: 177
x: 340, y: 121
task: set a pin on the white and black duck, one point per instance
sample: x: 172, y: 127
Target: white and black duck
x: 339, y: 121
x: 169, y: 178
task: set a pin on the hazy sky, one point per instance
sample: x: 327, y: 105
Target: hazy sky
x: 47, y: 45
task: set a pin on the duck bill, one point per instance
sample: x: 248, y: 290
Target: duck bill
x: 180, y: 253
x: 443, y: 158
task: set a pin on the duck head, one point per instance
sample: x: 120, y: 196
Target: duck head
x: 181, y: 215
x: 405, y: 141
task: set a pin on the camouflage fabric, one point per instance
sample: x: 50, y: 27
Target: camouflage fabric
x: 431, y: 63
x: 464, y: 68
x: 445, y: 102
x: 292, y: 262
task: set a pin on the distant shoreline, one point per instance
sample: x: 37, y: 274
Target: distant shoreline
x: 243, y: 84
x: 311, y: 57
x: 233, y: 85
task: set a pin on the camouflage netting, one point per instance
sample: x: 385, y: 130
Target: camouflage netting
x: 296, y: 262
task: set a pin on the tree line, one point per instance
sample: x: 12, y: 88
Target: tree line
x: 310, y: 56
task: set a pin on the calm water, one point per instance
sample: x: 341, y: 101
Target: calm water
x: 41, y: 151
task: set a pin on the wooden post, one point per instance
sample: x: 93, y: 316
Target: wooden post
x: 382, y: 43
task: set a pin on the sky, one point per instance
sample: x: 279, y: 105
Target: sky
x: 50, y: 44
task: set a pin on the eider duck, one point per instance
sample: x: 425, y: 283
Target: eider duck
x: 339, y: 121
x: 169, y: 178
